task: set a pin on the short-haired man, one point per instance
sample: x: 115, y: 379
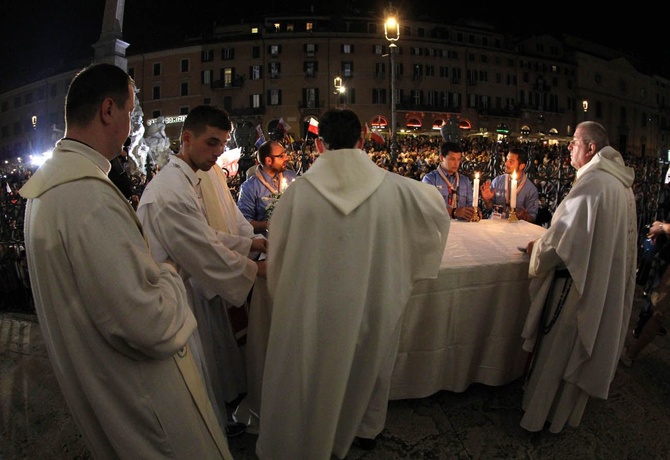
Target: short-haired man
x: 116, y: 323
x: 582, y: 294
x: 271, y: 178
x: 455, y: 188
x: 338, y: 299
x: 214, y: 263
x: 498, y: 191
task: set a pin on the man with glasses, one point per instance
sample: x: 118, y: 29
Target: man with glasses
x: 263, y: 188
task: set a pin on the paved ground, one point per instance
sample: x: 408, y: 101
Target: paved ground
x: 482, y: 422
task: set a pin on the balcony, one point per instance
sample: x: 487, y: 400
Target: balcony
x: 236, y: 82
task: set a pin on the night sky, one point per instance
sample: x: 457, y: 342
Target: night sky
x: 37, y: 35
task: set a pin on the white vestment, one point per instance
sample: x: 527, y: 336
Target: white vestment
x: 211, y: 262
x: 114, y: 322
x: 594, y: 235
x: 224, y: 357
x: 349, y: 240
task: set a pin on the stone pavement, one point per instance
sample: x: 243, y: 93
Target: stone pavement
x: 480, y: 423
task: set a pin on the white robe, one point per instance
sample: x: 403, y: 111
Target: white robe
x: 349, y: 240
x: 114, y: 322
x: 594, y: 235
x: 212, y: 263
x: 224, y: 358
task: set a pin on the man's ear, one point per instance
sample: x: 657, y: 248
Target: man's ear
x: 106, y: 110
x: 320, y: 145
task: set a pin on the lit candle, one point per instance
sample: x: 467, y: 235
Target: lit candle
x: 513, y: 199
x: 282, y: 186
x: 475, y: 191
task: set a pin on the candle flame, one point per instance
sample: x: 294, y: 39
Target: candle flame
x: 476, y: 175
x: 514, y: 175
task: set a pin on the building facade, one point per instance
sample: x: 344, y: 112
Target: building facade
x: 295, y: 67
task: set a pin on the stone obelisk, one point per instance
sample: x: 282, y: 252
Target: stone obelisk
x: 110, y: 48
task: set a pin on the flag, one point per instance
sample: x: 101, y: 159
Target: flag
x: 283, y: 125
x: 313, y: 126
x: 366, y: 131
x: 9, y: 189
x: 376, y: 137
x: 261, y: 137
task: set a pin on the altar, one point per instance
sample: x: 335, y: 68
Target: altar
x: 465, y: 326
x: 461, y: 328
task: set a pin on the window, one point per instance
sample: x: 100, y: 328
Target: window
x: 157, y: 69
x: 206, y: 77
x: 378, y: 49
x: 347, y: 48
x: 256, y: 101
x: 156, y: 92
x: 417, y: 72
x: 131, y: 72
x: 309, y: 26
x: 274, y: 50
x: 380, y: 70
x: 256, y: 52
x: 378, y: 96
x: 207, y: 101
x: 227, y: 54
x: 227, y: 75
x: 275, y: 69
x: 311, y: 49
x: 184, y: 65
x: 155, y: 113
x: 207, y: 55
x: 184, y: 89
x: 429, y: 70
x: 347, y: 69
x: 256, y: 72
x: 310, y: 97
x: 274, y: 97
x: 310, y: 68
x: 183, y: 110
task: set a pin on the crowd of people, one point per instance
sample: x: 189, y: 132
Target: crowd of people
x: 139, y: 300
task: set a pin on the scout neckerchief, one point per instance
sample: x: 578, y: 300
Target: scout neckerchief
x: 261, y: 178
x: 519, y: 186
x: 453, y: 189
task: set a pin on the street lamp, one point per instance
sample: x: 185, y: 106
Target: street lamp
x: 585, y: 106
x: 392, y: 34
x: 340, y: 89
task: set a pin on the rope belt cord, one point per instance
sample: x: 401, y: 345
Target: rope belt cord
x: 561, y: 301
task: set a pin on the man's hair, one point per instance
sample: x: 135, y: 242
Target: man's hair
x: 447, y: 147
x: 264, y: 151
x: 521, y: 154
x: 203, y: 116
x: 340, y: 129
x: 92, y: 85
x: 594, y: 132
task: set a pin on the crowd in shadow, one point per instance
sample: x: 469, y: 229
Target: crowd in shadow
x: 549, y: 168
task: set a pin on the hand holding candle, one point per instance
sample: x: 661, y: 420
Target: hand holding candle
x: 475, y: 191
x: 513, y: 199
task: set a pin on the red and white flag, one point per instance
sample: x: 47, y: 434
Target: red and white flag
x: 376, y: 137
x: 283, y: 125
x: 313, y: 126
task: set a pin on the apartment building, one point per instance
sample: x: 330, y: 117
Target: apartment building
x: 295, y: 67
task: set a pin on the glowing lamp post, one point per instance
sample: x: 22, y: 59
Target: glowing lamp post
x: 392, y: 34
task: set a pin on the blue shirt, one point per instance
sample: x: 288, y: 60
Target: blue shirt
x: 464, y: 187
x: 526, y: 197
x: 255, y: 197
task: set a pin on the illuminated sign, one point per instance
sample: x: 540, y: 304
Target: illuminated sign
x: 168, y: 120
